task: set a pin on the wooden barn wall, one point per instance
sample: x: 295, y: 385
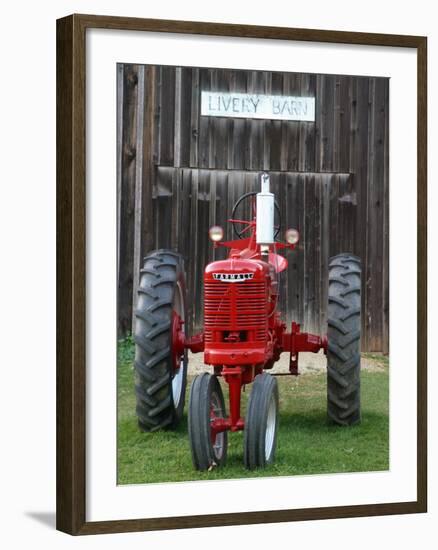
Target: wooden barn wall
x: 179, y: 173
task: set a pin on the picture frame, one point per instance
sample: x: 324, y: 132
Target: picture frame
x: 72, y: 269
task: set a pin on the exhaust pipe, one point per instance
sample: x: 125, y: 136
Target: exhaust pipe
x: 265, y: 215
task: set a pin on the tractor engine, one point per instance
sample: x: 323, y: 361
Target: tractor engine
x: 239, y: 299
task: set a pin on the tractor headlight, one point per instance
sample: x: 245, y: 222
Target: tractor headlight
x: 292, y: 236
x: 216, y: 233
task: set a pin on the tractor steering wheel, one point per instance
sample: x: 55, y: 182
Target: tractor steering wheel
x: 240, y: 232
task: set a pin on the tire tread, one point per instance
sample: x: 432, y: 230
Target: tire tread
x: 254, y: 434
x: 161, y: 271
x: 203, y: 457
x: 343, y: 353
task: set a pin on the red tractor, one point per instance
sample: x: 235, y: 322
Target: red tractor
x: 243, y: 337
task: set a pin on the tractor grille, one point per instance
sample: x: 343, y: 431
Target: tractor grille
x: 235, y: 307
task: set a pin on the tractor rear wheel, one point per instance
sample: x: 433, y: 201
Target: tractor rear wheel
x: 160, y: 376
x: 343, y: 339
x: 261, y: 423
x: 206, y: 404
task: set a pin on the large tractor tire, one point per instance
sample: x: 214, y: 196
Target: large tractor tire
x: 343, y: 339
x: 206, y: 404
x: 159, y: 386
x: 261, y: 423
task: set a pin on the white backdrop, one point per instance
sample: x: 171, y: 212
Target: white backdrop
x: 28, y: 272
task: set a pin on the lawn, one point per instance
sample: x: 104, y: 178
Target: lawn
x: 307, y: 444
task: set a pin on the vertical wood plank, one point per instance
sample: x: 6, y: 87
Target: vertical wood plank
x: 163, y: 226
x: 222, y: 213
x: 292, y: 208
x: 150, y: 131
x: 274, y: 127
x: 333, y: 234
x: 342, y: 123
x: 204, y: 123
x: 194, y: 119
x: 267, y: 76
x: 236, y: 128
x: 307, y: 130
x: 188, y: 243
x: 310, y: 252
x: 194, y: 232
x: 284, y: 196
x: 167, y: 115
x: 120, y: 103
x: 301, y: 208
x: 177, y: 109
x: 326, y: 111
x: 212, y: 214
x: 336, y: 129
x: 176, y: 209
x: 185, y: 115
x: 385, y: 260
x: 138, y: 189
x: 359, y: 167
x: 375, y: 211
x: 219, y: 126
x: 316, y: 267
x: 256, y: 134
x: 185, y: 216
x: 203, y: 242
x: 127, y: 197
x: 347, y: 213
x: 290, y: 145
x: 325, y: 253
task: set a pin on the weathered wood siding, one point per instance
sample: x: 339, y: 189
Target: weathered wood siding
x: 180, y: 173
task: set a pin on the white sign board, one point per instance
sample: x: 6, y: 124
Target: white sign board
x: 276, y: 107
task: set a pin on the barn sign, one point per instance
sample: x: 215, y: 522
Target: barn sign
x: 275, y: 107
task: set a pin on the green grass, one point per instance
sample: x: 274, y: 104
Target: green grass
x: 306, y: 443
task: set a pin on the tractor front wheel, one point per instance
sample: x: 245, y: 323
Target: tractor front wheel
x: 343, y: 339
x: 261, y: 423
x: 206, y: 404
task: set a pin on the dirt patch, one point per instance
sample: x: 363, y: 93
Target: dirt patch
x: 309, y: 363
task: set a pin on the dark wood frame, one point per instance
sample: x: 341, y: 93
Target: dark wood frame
x: 71, y: 237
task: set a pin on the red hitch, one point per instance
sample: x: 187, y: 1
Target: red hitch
x: 296, y: 341
x: 180, y: 343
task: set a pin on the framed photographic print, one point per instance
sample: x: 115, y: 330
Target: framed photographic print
x: 241, y: 284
